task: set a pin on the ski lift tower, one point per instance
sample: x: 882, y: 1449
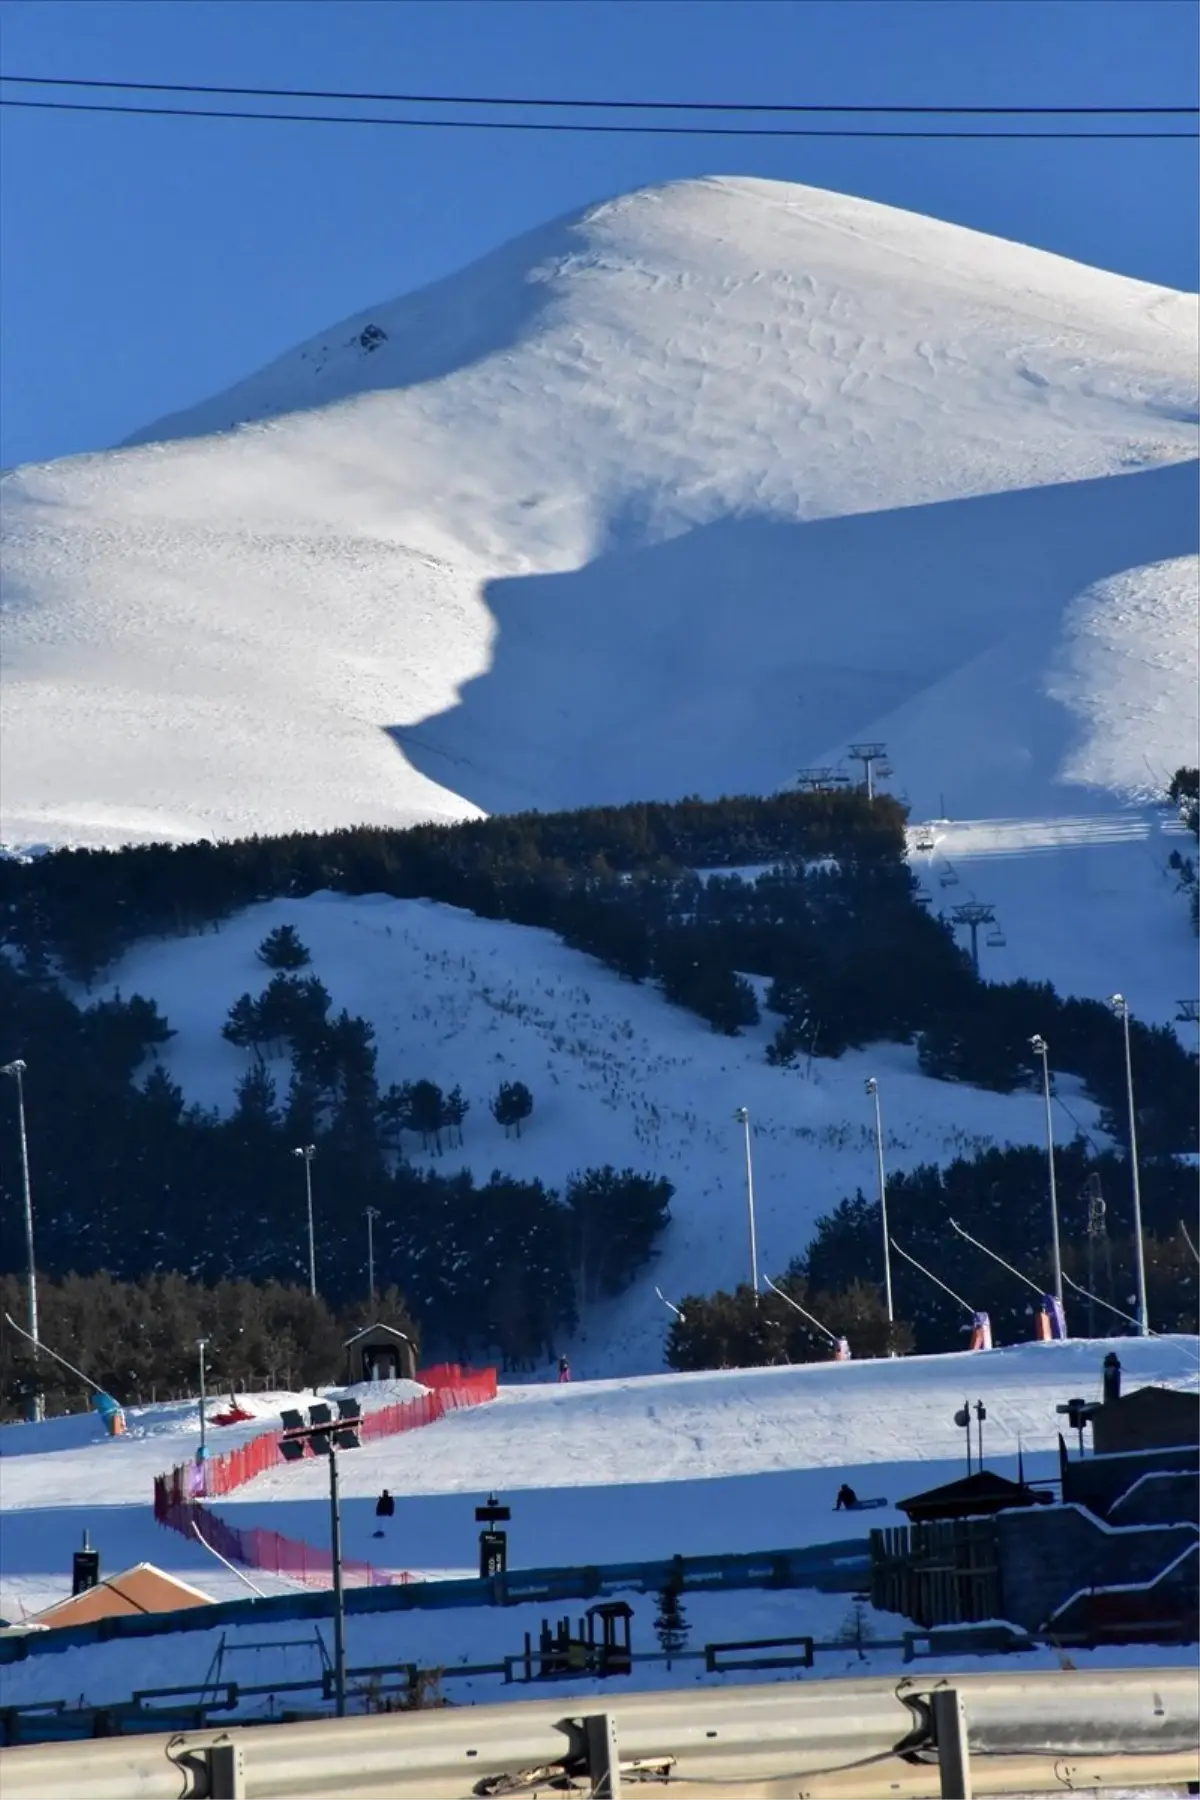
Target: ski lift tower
x: 868, y: 755
x: 973, y: 914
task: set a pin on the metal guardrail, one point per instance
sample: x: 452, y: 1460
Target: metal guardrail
x: 849, y: 1737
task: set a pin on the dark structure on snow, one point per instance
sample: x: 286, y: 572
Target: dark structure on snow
x: 379, y: 1353
x: 1115, y: 1560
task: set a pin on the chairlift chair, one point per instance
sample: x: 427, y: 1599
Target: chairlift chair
x: 949, y: 879
x: 995, y: 940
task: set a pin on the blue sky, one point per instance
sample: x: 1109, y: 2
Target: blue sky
x: 147, y: 263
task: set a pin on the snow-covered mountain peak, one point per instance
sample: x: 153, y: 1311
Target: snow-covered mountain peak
x: 672, y: 495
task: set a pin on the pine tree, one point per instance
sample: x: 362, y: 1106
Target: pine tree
x: 454, y: 1111
x: 670, y: 1621
x: 282, y: 949
x: 512, y: 1104
x: 427, y: 1113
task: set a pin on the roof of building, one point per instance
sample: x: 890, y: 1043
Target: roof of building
x: 142, y: 1589
x: 366, y: 1331
x: 1160, y: 1397
x: 982, y: 1492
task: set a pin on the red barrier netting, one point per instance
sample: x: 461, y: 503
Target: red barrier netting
x: 176, y: 1494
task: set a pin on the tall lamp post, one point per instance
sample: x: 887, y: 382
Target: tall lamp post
x: 872, y: 1087
x: 1039, y: 1046
x: 17, y: 1070
x: 201, y: 1346
x: 1120, y: 1006
x: 742, y: 1115
x: 308, y: 1151
x: 325, y: 1436
x: 372, y: 1215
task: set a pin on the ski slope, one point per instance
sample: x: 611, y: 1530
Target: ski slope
x: 595, y: 1471
x: 617, y: 1074
x: 670, y: 496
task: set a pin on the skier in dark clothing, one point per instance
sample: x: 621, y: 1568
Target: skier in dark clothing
x: 385, y: 1506
x: 846, y: 1498
x: 564, y: 1369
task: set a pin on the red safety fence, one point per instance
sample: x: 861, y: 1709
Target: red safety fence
x: 273, y: 1553
x: 176, y: 1493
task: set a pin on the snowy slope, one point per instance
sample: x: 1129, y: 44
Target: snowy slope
x: 599, y: 1471
x: 674, y: 495
x: 618, y: 1076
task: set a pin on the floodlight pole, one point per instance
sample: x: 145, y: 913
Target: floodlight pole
x: 322, y: 1436
x: 201, y: 1346
x: 339, y: 1602
x: 1039, y: 1046
x: 372, y: 1215
x: 742, y: 1115
x: 873, y: 1090
x: 1120, y: 1006
x: 17, y: 1070
x: 308, y: 1151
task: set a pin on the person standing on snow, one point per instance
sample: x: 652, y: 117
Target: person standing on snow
x: 564, y: 1369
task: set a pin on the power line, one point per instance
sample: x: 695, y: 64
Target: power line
x: 739, y: 106
x: 574, y: 126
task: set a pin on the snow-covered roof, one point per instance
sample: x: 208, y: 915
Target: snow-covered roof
x: 368, y: 1329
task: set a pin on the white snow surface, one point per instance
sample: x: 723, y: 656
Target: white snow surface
x: 671, y: 496
x: 618, y: 1076
x: 597, y: 1471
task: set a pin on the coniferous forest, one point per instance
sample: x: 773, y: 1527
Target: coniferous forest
x: 135, y: 1184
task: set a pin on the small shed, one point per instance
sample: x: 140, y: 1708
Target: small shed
x: 142, y: 1589
x: 975, y: 1495
x: 1151, y: 1418
x: 379, y: 1353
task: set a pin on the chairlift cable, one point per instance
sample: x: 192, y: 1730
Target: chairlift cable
x: 595, y: 105
x: 604, y: 127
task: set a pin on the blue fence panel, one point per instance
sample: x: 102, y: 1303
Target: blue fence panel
x: 832, y: 1568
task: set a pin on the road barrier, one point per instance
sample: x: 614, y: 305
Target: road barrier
x: 1003, y: 1733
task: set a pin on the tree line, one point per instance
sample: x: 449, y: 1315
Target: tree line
x: 137, y: 1340
x: 130, y: 1179
x: 1001, y: 1198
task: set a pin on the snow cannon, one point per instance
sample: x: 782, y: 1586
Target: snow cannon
x: 981, y: 1332
x: 111, y: 1411
x: 841, y: 1350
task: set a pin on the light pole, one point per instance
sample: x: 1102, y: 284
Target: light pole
x: 372, y: 1215
x: 201, y: 1346
x: 1039, y: 1046
x: 1120, y: 1006
x: 17, y: 1070
x: 742, y: 1115
x: 308, y: 1151
x: 873, y: 1090
x: 325, y: 1436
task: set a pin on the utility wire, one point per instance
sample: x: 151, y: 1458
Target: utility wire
x: 739, y: 106
x: 574, y: 126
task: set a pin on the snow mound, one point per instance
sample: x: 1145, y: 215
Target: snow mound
x: 670, y: 496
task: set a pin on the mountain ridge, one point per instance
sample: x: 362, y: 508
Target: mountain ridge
x: 629, y: 507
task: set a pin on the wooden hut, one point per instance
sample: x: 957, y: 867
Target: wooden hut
x: 379, y: 1353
